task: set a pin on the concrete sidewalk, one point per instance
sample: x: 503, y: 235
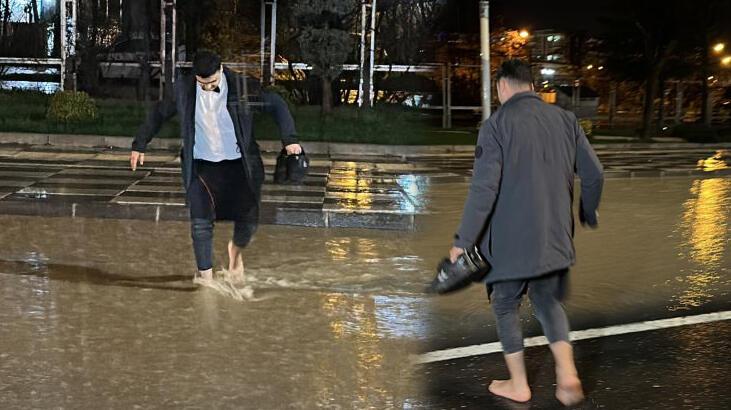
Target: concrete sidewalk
x: 69, y: 141
x: 352, y: 189
x: 43, y: 180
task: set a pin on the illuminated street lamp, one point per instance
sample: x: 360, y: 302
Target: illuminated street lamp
x: 726, y: 61
x: 718, y: 48
x: 524, y: 33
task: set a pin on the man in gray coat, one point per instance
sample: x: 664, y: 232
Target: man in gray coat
x: 519, y: 212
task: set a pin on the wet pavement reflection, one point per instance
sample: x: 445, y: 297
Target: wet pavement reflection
x: 705, y: 231
x: 101, y: 313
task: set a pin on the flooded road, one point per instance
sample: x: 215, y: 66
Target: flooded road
x: 101, y: 313
x: 663, y: 249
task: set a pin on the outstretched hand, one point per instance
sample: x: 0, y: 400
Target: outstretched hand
x: 293, y: 149
x: 134, y: 158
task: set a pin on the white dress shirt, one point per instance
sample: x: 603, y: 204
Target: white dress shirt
x: 215, y: 136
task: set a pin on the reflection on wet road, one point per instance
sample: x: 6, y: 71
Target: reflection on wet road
x: 662, y: 249
x: 100, y: 313
x: 705, y: 232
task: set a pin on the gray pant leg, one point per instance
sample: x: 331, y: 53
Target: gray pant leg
x: 506, y: 298
x: 546, y: 294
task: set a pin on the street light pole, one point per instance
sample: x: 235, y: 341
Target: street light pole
x: 485, y: 57
x: 262, y: 42
x: 371, y: 53
x: 273, y: 47
x: 363, y: 10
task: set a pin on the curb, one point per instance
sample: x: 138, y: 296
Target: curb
x: 173, y: 144
x: 312, y: 218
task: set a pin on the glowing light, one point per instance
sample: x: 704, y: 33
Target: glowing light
x: 726, y: 60
x: 601, y: 67
x: 590, y: 66
x: 719, y: 47
x: 548, y: 71
x: 524, y: 33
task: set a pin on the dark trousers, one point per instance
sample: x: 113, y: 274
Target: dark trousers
x: 546, y: 294
x: 219, y: 192
x: 202, y: 234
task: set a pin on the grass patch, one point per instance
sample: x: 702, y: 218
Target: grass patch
x: 386, y: 125
x: 24, y: 111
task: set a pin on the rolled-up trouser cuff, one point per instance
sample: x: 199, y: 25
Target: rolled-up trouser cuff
x: 243, y: 232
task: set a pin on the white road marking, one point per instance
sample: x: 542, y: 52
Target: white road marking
x: 495, y: 347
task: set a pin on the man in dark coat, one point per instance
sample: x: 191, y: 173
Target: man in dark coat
x: 519, y: 213
x: 221, y: 162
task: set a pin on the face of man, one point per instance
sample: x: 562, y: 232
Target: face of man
x: 209, y: 83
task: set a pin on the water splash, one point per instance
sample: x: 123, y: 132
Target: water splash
x: 231, y: 284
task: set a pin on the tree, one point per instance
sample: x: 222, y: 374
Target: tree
x: 194, y: 14
x: 701, y: 29
x: 642, y: 41
x: 324, y: 39
x: 6, y: 14
x: 405, y: 28
x: 34, y: 9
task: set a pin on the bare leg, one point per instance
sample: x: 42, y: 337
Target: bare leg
x: 516, y: 388
x: 235, y: 261
x: 568, y: 385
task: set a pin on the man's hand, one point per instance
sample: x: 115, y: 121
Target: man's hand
x: 293, y: 149
x: 455, y: 253
x: 134, y: 157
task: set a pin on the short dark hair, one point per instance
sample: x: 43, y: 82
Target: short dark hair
x: 206, y: 63
x: 515, y: 71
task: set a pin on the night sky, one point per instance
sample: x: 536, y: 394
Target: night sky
x: 568, y: 15
x: 531, y: 14
x: 571, y: 14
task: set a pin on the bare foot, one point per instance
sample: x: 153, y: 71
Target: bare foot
x: 235, y: 261
x: 235, y: 265
x: 569, y: 392
x: 505, y: 388
x: 203, y: 277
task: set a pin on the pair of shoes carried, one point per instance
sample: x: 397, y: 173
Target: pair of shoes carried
x: 291, y: 169
x: 470, y: 267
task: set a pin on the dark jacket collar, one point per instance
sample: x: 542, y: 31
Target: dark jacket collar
x: 231, y: 84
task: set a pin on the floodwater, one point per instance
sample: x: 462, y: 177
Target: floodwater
x: 102, y: 314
